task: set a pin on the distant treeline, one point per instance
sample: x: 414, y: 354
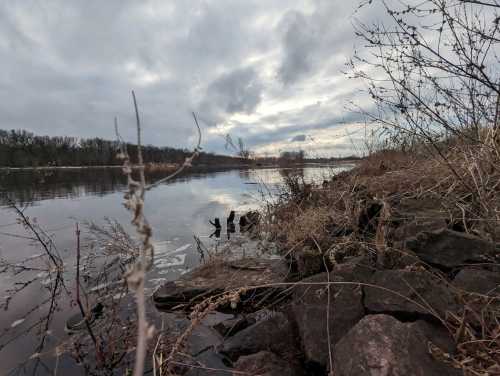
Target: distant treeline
x: 19, y: 148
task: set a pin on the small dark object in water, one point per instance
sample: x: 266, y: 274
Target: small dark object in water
x: 231, y: 229
x: 218, y: 228
x: 216, y: 233
x: 230, y: 219
x: 216, y: 223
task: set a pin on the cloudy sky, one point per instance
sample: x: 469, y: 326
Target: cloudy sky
x: 268, y: 71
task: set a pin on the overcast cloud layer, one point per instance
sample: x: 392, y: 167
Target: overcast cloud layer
x: 266, y: 71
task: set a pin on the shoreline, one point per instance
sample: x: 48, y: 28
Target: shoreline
x: 194, y: 167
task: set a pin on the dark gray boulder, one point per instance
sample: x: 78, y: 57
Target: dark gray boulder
x: 449, y: 248
x: 208, y: 363
x: 309, y: 307
x: 478, y: 281
x: 201, y: 338
x: 266, y: 363
x: 380, y: 345
x: 409, y: 292
x: 274, y: 334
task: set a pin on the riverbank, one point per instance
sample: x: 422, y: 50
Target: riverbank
x: 390, y: 268
x: 171, y: 167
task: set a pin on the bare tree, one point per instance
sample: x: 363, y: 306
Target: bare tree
x: 432, y: 68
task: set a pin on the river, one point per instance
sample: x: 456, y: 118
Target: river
x: 58, y: 199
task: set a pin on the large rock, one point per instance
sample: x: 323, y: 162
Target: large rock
x: 449, y: 248
x: 413, y: 227
x: 208, y: 363
x: 478, y: 281
x: 310, y: 306
x: 356, y: 269
x: 414, y: 215
x: 273, y: 334
x: 309, y: 262
x: 266, y: 363
x: 199, y: 346
x: 232, y: 326
x: 201, y: 338
x: 409, y: 292
x: 212, y: 279
x: 380, y: 345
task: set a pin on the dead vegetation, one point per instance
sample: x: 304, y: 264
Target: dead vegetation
x: 390, y: 196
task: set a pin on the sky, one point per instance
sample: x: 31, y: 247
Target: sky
x: 271, y: 72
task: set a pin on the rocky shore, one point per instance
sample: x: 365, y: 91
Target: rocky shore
x: 305, y: 315
x: 391, y: 268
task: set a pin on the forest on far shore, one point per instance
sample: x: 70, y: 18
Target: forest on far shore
x: 20, y: 148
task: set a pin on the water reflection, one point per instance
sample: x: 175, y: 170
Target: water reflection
x: 26, y: 187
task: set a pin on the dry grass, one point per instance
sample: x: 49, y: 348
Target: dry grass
x: 358, y: 211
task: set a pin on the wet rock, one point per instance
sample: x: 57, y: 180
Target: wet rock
x: 479, y: 281
x: 380, y: 345
x: 310, y: 304
x: 208, y: 363
x: 274, y: 334
x: 266, y: 363
x: 449, y: 248
x: 411, y: 293
x: 212, y: 279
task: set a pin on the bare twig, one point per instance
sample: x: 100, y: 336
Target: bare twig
x: 134, y: 202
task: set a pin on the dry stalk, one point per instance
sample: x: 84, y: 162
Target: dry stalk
x: 200, y: 311
x: 134, y: 199
x: 85, y: 315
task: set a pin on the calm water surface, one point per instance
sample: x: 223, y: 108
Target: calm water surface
x: 177, y: 211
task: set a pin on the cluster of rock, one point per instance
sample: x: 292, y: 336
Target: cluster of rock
x: 356, y: 318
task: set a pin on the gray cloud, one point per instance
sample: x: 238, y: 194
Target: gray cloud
x: 313, y: 40
x: 238, y: 91
x: 299, y: 40
x: 68, y: 67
